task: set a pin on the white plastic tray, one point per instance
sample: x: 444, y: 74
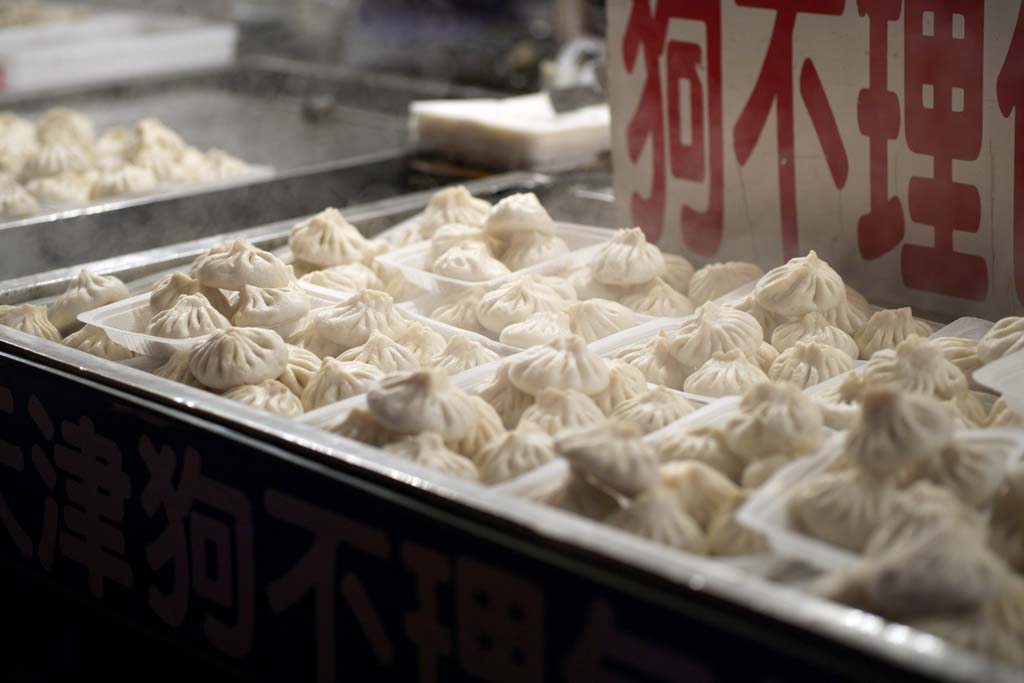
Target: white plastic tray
x: 125, y: 323
x: 964, y: 328
x: 767, y: 510
x: 1005, y: 376
x: 412, y: 260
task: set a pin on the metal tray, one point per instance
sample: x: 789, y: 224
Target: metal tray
x: 911, y: 651
x: 355, y: 151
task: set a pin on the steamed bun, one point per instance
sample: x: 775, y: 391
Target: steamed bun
x: 805, y: 284
x: 515, y: 301
x: 29, y: 319
x: 530, y: 248
x: 565, y: 363
x: 192, y: 315
x: 713, y: 329
x: 808, y: 363
x: 95, y: 341
x: 654, y: 409
x: 628, y: 259
x: 327, y: 239
x: 517, y: 214
x: 237, y: 356
x: 514, y: 453
x: 269, y: 395
x: 384, y: 353
x: 86, y: 292
x: 657, y: 298
x: 887, y: 328
x: 422, y: 401
x: 350, y: 323
x: 555, y: 410
x: 718, y: 279
x: 238, y: 263
x: 428, y: 449
x: 462, y: 353
x: 542, y: 327
x: 337, y: 380
x: 469, y: 262
x: 598, y: 318
x: 725, y: 374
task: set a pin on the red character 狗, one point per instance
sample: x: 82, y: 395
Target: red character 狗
x: 700, y: 158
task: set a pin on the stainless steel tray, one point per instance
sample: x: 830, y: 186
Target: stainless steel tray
x: 257, y: 110
x: 356, y: 152
x: 911, y: 650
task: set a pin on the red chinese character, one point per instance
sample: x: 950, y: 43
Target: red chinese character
x: 944, y: 80
x: 1010, y: 92
x: 702, y: 230
x: 878, y: 114
x: 316, y: 573
x: 97, y: 489
x: 208, y: 541
x: 775, y: 86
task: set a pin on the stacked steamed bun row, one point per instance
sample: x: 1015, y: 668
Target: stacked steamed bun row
x: 328, y: 354
x: 936, y: 517
x: 626, y: 277
x: 58, y: 322
x: 941, y: 368
x: 248, y: 302
x: 532, y: 309
x: 800, y: 323
x: 60, y: 159
x: 637, y: 274
x: 516, y: 233
x: 514, y: 417
x: 619, y: 478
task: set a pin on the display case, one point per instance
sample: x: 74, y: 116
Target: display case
x: 271, y: 548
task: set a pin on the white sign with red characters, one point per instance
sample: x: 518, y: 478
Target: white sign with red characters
x: 885, y: 134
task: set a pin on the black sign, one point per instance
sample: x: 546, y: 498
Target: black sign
x: 281, y: 568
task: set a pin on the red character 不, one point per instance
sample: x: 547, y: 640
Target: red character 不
x: 775, y: 86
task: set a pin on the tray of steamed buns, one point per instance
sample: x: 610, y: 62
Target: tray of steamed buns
x: 61, y: 161
x: 720, y: 411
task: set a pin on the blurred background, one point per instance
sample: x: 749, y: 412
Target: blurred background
x: 492, y: 43
x: 327, y: 102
